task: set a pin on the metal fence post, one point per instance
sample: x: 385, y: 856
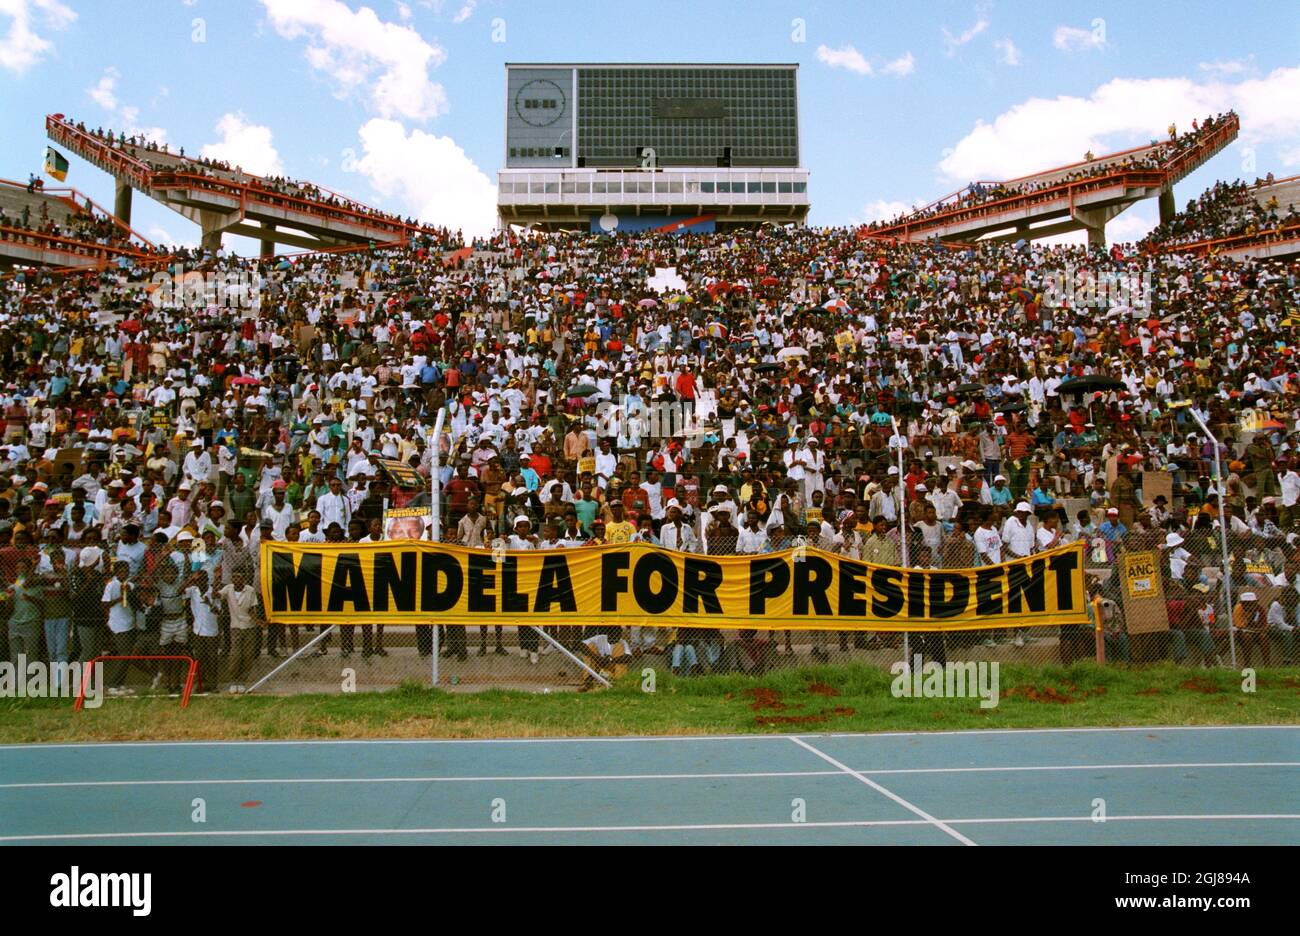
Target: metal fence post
x: 435, y: 527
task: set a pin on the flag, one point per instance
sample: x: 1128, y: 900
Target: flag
x: 55, y: 164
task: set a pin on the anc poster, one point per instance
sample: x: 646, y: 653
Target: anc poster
x: 414, y: 582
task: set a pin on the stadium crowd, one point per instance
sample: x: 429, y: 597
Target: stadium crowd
x: 794, y: 385
x: 1226, y: 210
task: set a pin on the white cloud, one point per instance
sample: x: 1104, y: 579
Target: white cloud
x: 881, y: 209
x: 465, y: 12
x: 844, y: 57
x: 1044, y: 132
x: 104, y: 91
x: 21, y: 46
x: 1291, y: 157
x: 848, y: 57
x: 1008, y: 54
x: 904, y: 65
x: 1076, y: 39
x: 430, y: 176
x: 1227, y: 68
x: 245, y: 145
x: 126, y: 117
x: 953, y: 43
x: 404, y: 12
x: 385, y: 62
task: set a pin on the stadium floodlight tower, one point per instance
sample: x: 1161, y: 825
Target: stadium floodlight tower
x: 622, y: 147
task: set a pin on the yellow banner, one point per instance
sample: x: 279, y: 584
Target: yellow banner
x: 414, y: 582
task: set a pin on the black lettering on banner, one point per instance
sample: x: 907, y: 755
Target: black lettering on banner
x: 943, y: 605
x: 1063, y: 566
x: 481, y: 581
x: 1026, y: 578
x: 436, y: 565
x: 812, y: 578
x: 888, y: 588
x: 612, y: 580
x: 853, y: 589
x: 700, y: 583
x: 348, y: 585
x: 511, y: 601
x: 389, y: 581
x: 768, y: 578
x: 295, y: 590
x: 649, y: 565
x: 988, y: 591
x: 555, y: 585
x: 916, y: 595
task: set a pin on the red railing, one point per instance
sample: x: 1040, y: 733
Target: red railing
x: 252, y: 192
x: 99, y: 253
x: 185, y: 694
x: 1237, y: 241
x: 1176, y: 168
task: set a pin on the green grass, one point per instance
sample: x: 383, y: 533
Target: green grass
x: 1081, y: 695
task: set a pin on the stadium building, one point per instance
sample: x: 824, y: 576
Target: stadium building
x: 622, y: 147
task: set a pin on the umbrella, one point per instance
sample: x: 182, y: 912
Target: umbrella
x: 836, y: 304
x: 1090, y: 383
x: 968, y: 388
x: 648, y: 304
x: 766, y: 367
x: 843, y: 282
x: 418, y: 303
x: 245, y: 381
x: 791, y: 352
x: 582, y: 390
x: 130, y: 325
x: 1021, y: 295
x: 1272, y: 424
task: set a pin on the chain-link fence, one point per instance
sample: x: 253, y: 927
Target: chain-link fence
x: 1157, y: 594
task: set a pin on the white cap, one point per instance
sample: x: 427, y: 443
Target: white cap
x: 1114, y: 511
x: 184, y: 536
x: 522, y: 519
x: 672, y: 502
x: 721, y: 488
x: 922, y: 487
x: 893, y: 469
x: 1172, y: 540
x: 1247, y: 596
x: 1023, y: 506
x: 997, y: 478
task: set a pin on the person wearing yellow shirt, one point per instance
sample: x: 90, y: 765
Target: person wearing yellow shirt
x: 619, y: 529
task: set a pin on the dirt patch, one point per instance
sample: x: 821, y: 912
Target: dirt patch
x: 822, y: 689
x: 1149, y: 692
x: 1062, y: 696
x: 1199, y: 684
x: 765, y: 699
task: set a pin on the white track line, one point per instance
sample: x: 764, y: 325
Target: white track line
x: 879, y: 789
x: 491, y: 779
x: 711, y: 827
x: 638, y: 738
x: 547, y: 778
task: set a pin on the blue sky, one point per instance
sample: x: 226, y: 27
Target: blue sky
x: 400, y: 103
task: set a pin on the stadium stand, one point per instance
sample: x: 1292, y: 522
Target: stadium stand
x: 1081, y: 196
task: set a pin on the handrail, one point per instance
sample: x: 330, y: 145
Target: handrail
x: 76, y: 247
x: 1176, y: 168
x: 1232, y: 242
x: 146, y: 178
x: 78, y: 196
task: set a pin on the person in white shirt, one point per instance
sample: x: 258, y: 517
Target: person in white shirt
x: 988, y: 544
x: 676, y: 533
x: 752, y: 538
x: 207, y: 635
x: 1017, y: 533
x: 334, y: 506
x: 241, y: 600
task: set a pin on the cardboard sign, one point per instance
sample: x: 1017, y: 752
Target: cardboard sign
x: 1143, y: 594
x: 401, y: 474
